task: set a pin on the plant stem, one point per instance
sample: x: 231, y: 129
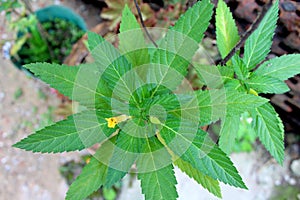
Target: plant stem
x: 143, y: 24
x: 245, y: 36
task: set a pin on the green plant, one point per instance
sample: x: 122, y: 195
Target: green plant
x: 59, y: 37
x: 29, y: 46
x: 142, y: 110
x: 35, y: 41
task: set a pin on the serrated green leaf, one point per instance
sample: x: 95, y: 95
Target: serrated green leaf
x: 77, y: 132
x: 186, y: 34
x: 202, y: 153
x: 214, y: 77
x: 72, y: 82
x: 216, y: 104
x: 194, y: 22
x: 129, y: 21
x: 226, y: 30
x: 155, y: 170
x: 95, y: 173
x: 269, y: 129
x: 112, y: 67
x: 239, y: 67
x: 258, y: 45
x: 124, y: 155
x: 228, y: 133
x: 267, y: 84
x: 91, y: 179
x: 132, y: 42
x: 94, y: 40
x: 159, y: 184
x: 207, y: 182
x: 282, y: 67
x: 168, y: 102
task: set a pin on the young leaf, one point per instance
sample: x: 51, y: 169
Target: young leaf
x: 186, y: 34
x: 77, y: 132
x: 207, y: 182
x: 239, y: 67
x: 132, y: 41
x: 267, y: 84
x: 282, y: 67
x: 269, y: 129
x: 226, y: 30
x: 228, y: 133
x: 202, y: 153
x: 258, y: 45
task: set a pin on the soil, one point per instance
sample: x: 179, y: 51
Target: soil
x: 25, y: 175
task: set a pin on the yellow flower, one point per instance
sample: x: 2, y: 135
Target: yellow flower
x: 113, y: 121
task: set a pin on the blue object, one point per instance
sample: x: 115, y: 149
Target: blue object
x: 54, y: 11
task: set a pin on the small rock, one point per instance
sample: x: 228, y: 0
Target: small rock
x: 4, y: 160
x: 277, y: 182
x: 2, y: 95
x: 295, y: 167
x: 286, y: 177
x: 292, y: 181
x: 7, y: 168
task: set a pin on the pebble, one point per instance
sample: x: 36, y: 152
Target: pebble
x: 7, y: 167
x: 277, y: 182
x: 292, y: 181
x: 5, y: 134
x: 57, y: 2
x: 2, y: 95
x: 295, y: 167
x: 4, y: 36
x: 4, y: 160
x: 286, y: 177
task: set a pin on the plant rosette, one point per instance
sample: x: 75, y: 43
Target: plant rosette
x: 46, y: 36
x: 141, y: 110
